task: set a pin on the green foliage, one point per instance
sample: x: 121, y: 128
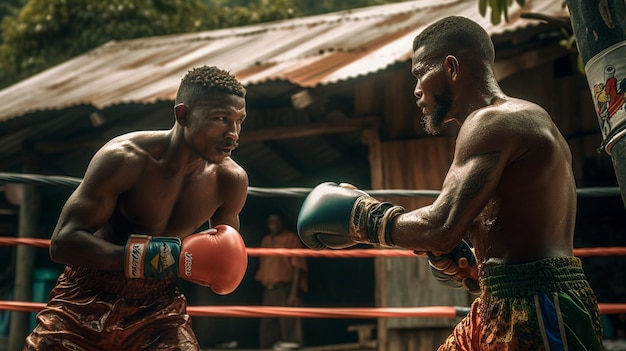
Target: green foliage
x: 499, y: 8
x: 10, y: 7
x: 223, y: 14
x: 47, y: 32
x: 312, y: 7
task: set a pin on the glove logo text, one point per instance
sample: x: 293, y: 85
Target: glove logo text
x: 188, y: 263
x: 136, y: 253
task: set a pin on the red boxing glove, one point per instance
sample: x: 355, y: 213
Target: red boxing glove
x: 215, y: 259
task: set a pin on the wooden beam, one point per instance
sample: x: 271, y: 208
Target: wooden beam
x: 528, y: 60
x: 247, y: 136
x: 295, y: 162
x: 308, y: 130
x: 346, y: 151
x: 9, y: 161
x: 59, y: 147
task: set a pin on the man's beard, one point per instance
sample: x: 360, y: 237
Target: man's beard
x: 433, y: 123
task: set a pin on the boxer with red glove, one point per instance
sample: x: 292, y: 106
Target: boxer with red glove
x: 216, y: 258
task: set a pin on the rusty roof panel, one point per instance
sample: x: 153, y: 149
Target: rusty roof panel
x: 307, y: 51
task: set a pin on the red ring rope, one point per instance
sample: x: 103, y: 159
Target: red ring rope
x: 350, y: 253
x: 314, y: 312
x: 308, y: 312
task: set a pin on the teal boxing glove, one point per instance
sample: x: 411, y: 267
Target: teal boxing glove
x: 337, y: 217
x: 216, y: 258
x: 152, y: 257
x: 456, y: 269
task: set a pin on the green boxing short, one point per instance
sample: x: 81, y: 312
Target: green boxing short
x: 543, y: 305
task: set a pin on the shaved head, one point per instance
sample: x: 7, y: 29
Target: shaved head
x: 457, y: 36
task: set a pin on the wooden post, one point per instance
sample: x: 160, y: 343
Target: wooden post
x: 25, y: 258
x: 600, y: 29
x: 372, y: 139
x: 368, y: 103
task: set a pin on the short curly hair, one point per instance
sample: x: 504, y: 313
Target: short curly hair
x: 203, y: 83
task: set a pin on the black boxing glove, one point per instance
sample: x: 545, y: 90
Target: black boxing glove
x: 457, y: 268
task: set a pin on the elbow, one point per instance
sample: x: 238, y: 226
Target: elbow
x: 55, y: 253
x: 57, y: 250
x: 447, y: 238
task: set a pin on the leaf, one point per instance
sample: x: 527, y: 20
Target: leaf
x: 506, y: 12
x: 482, y: 7
x: 496, y: 10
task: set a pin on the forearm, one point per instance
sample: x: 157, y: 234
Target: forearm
x: 424, y: 230
x: 83, y: 249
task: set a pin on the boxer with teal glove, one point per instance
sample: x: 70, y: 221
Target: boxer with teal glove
x: 337, y: 217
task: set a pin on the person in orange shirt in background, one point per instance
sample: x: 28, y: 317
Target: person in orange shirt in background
x: 284, y: 280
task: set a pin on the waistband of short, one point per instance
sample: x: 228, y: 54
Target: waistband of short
x: 116, y: 283
x: 538, y: 277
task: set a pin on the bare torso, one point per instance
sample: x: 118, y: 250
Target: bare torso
x: 510, y: 189
x: 532, y: 212
x: 181, y: 204
x: 162, y: 201
x: 134, y: 186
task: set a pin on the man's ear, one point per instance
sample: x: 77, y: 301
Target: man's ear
x: 180, y: 112
x: 451, y: 65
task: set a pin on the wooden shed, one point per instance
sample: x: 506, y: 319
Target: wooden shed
x: 329, y: 98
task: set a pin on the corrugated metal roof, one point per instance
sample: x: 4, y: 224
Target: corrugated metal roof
x: 308, y: 51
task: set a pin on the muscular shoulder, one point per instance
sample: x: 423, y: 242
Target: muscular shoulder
x: 508, y: 116
x: 120, y: 160
x: 133, y: 147
x: 232, y: 181
x: 230, y: 173
x: 232, y: 185
x: 512, y: 125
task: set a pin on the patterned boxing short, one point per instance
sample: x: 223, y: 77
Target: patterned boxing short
x: 103, y: 310
x: 545, y: 305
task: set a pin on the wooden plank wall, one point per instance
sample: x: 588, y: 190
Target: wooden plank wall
x: 414, y: 164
